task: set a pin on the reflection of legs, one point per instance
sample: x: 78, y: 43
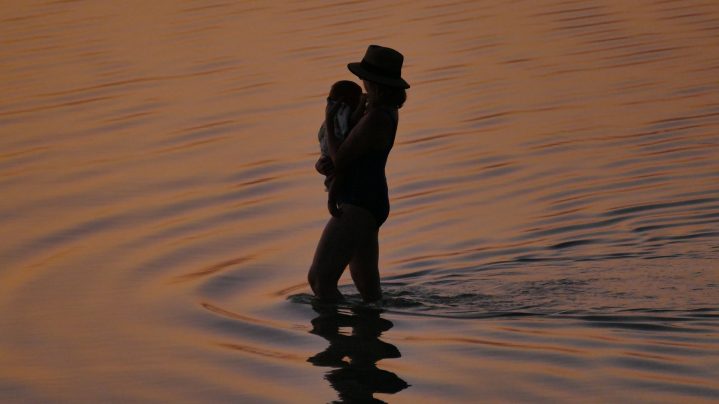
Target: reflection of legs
x: 359, y: 378
x: 364, y: 265
x: 331, y: 257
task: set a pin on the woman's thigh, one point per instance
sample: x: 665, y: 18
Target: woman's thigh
x: 334, y: 251
x: 364, y: 262
x: 364, y: 267
x: 341, y: 240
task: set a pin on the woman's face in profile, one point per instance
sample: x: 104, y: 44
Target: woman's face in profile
x: 367, y: 85
x: 371, y: 89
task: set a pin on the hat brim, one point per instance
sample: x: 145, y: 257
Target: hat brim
x: 359, y: 71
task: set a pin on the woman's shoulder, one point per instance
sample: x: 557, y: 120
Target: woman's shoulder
x: 381, y: 126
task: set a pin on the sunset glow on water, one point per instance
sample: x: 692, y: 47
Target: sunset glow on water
x: 554, y: 184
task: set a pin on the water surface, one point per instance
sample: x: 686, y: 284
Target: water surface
x: 554, y: 186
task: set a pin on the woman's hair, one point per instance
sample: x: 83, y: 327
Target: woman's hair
x: 390, y: 96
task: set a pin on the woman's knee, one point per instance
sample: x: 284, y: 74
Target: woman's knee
x: 322, y: 286
x: 312, y: 279
x: 368, y: 286
x: 317, y: 285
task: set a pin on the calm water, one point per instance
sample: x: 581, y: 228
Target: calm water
x: 555, y: 203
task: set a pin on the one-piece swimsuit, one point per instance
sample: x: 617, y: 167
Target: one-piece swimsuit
x: 366, y: 183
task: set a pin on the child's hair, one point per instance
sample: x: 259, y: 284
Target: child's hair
x: 347, y: 90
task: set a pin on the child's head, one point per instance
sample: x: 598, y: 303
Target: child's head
x: 349, y: 91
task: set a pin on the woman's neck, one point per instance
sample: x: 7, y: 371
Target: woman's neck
x: 371, y: 104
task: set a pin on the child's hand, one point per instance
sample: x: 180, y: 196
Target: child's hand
x: 324, y: 165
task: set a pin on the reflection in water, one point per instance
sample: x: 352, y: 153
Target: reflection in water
x: 354, y: 354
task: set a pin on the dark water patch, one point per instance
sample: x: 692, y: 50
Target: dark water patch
x: 232, y: 280
x: 245, y: 193
x: 74, y: 105
x: 73, y: 235
x: 570, y: 228
x: 642, y: 310
x: 123, y: 124
x: 252, y: 209
x: 206, y: 131
x: 573, y: 243
x: 644, y: 229
x: 202, y: 249
x: 211, y: 270
x: 264, y: 169
x: 470, y: 256
x: 561, y: 183
x: 602, y: 190
x: 660, y: 256
x: 411, y: 305
x: 643, y: 362
x: 685, y: 237
x: 89, y: 198
x: 263, y: 334
x: 22, y: 158
x: 412, y: 274
x: 641, y: 318
x: 671, y: 386
x: 673, y: 215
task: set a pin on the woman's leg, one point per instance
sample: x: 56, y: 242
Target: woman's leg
x: 333, y: 253
x: 364, y: 264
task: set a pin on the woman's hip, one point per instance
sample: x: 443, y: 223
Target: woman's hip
x: 377, y: 209
x: 359, y: 217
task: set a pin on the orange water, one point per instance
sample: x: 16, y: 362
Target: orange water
x: 554, y: 188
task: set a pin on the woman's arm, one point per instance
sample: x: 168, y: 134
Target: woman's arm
x: 369, y: 131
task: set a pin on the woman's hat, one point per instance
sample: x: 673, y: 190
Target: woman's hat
x: 381, y: 65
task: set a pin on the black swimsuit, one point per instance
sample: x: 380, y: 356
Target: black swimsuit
x: 366, y: 183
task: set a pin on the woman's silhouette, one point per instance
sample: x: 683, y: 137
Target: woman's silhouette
x: 358, y: 198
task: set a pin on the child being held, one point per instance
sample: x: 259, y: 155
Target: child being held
x: 350, y: 94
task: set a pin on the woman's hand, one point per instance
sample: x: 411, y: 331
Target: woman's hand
x: 332, y: 200
x: 358, y: 113
x: 335, y: 210
x: 324, y: 166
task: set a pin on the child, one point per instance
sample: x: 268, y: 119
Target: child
x: 349, y: 113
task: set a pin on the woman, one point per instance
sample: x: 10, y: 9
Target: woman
x: 358, y: 198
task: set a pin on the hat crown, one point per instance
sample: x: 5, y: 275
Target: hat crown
x: 387, y: 60
x: 380, y: 65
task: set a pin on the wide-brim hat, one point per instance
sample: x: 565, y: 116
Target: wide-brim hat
x: 381, y: 65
